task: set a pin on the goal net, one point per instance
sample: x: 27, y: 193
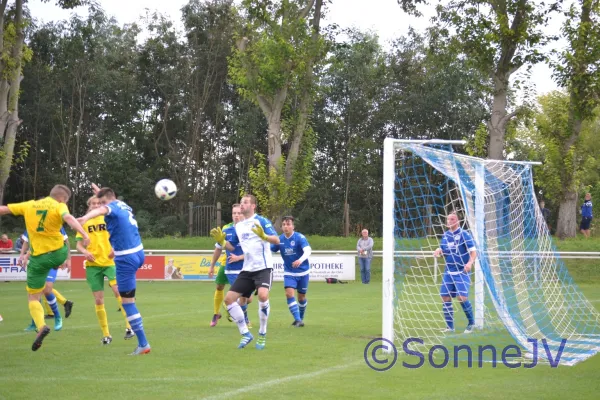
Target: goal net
x: 521, y: 292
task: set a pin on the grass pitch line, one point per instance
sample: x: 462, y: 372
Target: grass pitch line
x: 278, y: 381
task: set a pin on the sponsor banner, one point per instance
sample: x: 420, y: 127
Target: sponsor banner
x: 190, y: 267
x: 152, y: 269
x: 197, y: 267
x: 322, y: 267
x: 11, y: 271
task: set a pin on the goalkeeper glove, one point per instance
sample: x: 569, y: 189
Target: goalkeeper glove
x: 218, y: 235
x: 259, y: 231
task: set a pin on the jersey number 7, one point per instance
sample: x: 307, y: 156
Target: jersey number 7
x: 43, y: 213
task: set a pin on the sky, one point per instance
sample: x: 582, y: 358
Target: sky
x: 383, y: 17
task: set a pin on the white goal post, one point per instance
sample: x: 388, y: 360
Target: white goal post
x: 521, y: 290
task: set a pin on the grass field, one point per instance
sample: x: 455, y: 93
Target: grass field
x: 190, y: 360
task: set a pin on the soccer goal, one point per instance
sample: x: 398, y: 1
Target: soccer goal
x: 520, y: 289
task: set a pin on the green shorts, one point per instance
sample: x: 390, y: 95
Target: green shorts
x: 39, y: 266
x: 95, y: 277
x: 221, y: 277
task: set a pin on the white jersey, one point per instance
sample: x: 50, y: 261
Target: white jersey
x: 167, y: 273
x: 257, y: 252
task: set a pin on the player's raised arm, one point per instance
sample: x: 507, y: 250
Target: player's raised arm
x: 102, y: 210
x: 265, y: 231
x: 4, y: 210
x: 76, y: 226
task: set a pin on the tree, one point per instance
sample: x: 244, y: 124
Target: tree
x: 13, y: 54
x: 498, y: 37
x: 578, y: 70
x: 273, y: 65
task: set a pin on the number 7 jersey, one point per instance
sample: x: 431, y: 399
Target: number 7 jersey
x: 123, y: 229
x: 43, y: 221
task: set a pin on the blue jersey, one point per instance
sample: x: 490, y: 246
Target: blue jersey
x: 456, y: 247
x: 123, y: 228
x: 586, y: 209
x: 229, y: 231
x: 292, y: 249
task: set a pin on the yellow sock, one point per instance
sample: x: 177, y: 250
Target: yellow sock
x: 219, y: 295
x: 59, y: 297
x: 123, y: 312
x: 101, y: 314
x: 37, y: 313
x: 47, y: 308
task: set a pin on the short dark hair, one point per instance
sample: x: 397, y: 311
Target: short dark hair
x: 288, y: 218
x: 235, y: 205
x: 251, y: 197
x: 106, y: 192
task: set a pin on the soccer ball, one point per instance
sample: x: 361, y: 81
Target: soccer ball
x: 165, y: 189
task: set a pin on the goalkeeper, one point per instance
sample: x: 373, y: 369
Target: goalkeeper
x: 459, y: 252
x: 228, y: 272
x: 257, y: 271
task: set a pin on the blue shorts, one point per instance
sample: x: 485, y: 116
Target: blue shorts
x: 585, y: 223
x: 127, y: 267
x: 453, y: 285
x: 300, y: 283
x: 231, y: 277
x: 52, y: 275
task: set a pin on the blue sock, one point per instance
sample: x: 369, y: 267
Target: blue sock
x: 293, y: 306
x: 448, y: 314
x: 468, y: 309
x: 135, y: 320
x: 51, y: 298
x: 302, y: 306
x: 245, y: 310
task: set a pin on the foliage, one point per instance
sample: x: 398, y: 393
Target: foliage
x: 265, y: 181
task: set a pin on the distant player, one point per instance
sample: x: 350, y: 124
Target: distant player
x: 257, y: 271
x: 43, y: 220
x: 51, y: 295
x: 295, y: 251
x: 99, y: 263
x: 586, y: 215
x: 129, y: 255
x: 229, y: 272
x: 459, y: 252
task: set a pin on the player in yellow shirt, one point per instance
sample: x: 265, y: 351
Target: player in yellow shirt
x: 43, y: 220
x: 99, y: 263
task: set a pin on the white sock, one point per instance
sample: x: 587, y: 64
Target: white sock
x: 263, y: 316
x: 238, y: 316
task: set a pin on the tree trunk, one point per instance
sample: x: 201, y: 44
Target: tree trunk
x: 305, y: 100
x: 274, y: 139
x: 10, y: 105
x: 498, y: 120
x: 566, y: 226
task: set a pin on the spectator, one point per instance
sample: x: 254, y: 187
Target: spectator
x: 365, y: 254
x: 545, y: 213
x: 19, y: 244
x: 586, y: 215
x: 6, y: 245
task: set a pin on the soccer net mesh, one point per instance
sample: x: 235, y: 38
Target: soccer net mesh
x: 520, y: 290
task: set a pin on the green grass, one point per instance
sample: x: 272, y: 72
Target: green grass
x: 190, y: 360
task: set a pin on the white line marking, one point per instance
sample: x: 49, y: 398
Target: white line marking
x: 273, y: 382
